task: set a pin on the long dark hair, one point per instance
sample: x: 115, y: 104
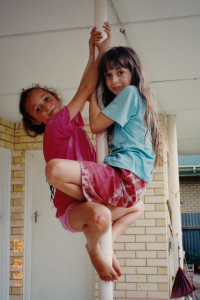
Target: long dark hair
x: 30, y: 128
x: 125, y: 57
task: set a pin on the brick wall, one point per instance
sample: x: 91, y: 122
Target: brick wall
x: 190, y: 194
x: 142, y: 250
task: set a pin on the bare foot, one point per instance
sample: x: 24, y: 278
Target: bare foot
x: 116, y: 265
x: 102, y: 265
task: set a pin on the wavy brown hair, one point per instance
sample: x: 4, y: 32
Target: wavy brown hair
x: 30, y: 128
x: 125, y: 57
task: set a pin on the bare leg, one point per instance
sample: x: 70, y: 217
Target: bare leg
x: 122, y: 219
x: 94, y: 220
x: 66, y: 176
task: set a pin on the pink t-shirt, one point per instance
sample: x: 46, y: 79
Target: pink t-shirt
x: 68, y: 140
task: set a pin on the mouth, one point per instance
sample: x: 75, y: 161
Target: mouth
x: 117, y: 88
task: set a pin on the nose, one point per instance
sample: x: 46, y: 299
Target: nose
x: 47, y: 106
x: 114, y: 79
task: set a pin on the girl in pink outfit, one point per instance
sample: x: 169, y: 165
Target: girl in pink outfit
x: 65, y: 141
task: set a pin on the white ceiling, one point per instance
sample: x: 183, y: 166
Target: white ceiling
x: 46, y: 42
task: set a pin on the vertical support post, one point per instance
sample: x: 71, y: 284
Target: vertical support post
x: 175, y: 192
x: 105, y: 289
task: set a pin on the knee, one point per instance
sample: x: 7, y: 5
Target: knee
x: 140, y: 207
x: 101, y: 218
x: 52, y: 171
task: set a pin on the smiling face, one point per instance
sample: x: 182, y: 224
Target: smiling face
x: 42, y: 106
x: 117, y: 79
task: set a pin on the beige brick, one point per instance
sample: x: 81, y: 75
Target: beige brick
x: 86, y: 121
x: 145, y: 254
x: 136, y: 278
x: 149, y: 192
x: 158, y: 295
x: 146, y: 238
x: 162, y: 238
x: 145, y: 222
x: 19, y: 174
x: 161, y: 222
x: 149, y: 207
x: 156, y: 246
x: 134, y: 230
x: 7, y: 145
x: 15, y: 297
x: 154, y: 199
x: 5, y: 137
x: 18, y: 216
x: 155, y: 230
x: 156, y: 184
x: 17, y: 195
x: 118, y: 246
x: 161, y: 206
x: 125, y: 254
x: 119, y: 294
x: 17, y: 290
x: 17, y: 223
x: 136, y: 262
x: 158, y: 169
x: 18, y: 153
x: 121, y: 261
x: 159, y: 191
x: 2, y: 128
x: 146, y: 270
x: 163, y: 287
x: 136, y: 295
x: 129, y: 270
x: 155, y: 215
x: 159, y: 176
x: 157, y: 278
x: 162, y: 254
x: 16, y: 237
x: 19, y: 160
x: 121, y: 278
x: 18, y: 230
x: 162, y: 270
x: 156, y: 262
x: 18, y: 202
x: 135, y: 246
x: 125, y: 286
x: 147, y: 287
x: 19, y: 188
x: 7, y: 123
x: 126, y: 238
x: 17, y: 209
x: 15, y: 181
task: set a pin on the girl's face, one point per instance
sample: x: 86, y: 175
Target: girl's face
x: 117, y: 79
x: 42, y: 106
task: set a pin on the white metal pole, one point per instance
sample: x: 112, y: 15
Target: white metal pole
x: 105, y: 289
x: 175, y: 193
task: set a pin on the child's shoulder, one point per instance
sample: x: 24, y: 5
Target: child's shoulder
x: 131, y: 88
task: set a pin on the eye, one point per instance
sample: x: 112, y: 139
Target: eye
x: 120, y: 72
x: 107, y: 75
x: 38, y: 109
x: 46, y: 99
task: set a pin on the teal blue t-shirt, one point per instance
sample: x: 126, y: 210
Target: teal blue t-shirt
x: 128, y: 149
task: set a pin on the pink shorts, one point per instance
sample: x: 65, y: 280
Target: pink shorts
x: 112, y: 185
x: 64, y: 219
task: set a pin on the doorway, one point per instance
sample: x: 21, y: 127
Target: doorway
x: 5, y: 188
x: 56, y: 263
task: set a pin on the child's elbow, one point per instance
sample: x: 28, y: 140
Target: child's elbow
x: 94, y: 128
